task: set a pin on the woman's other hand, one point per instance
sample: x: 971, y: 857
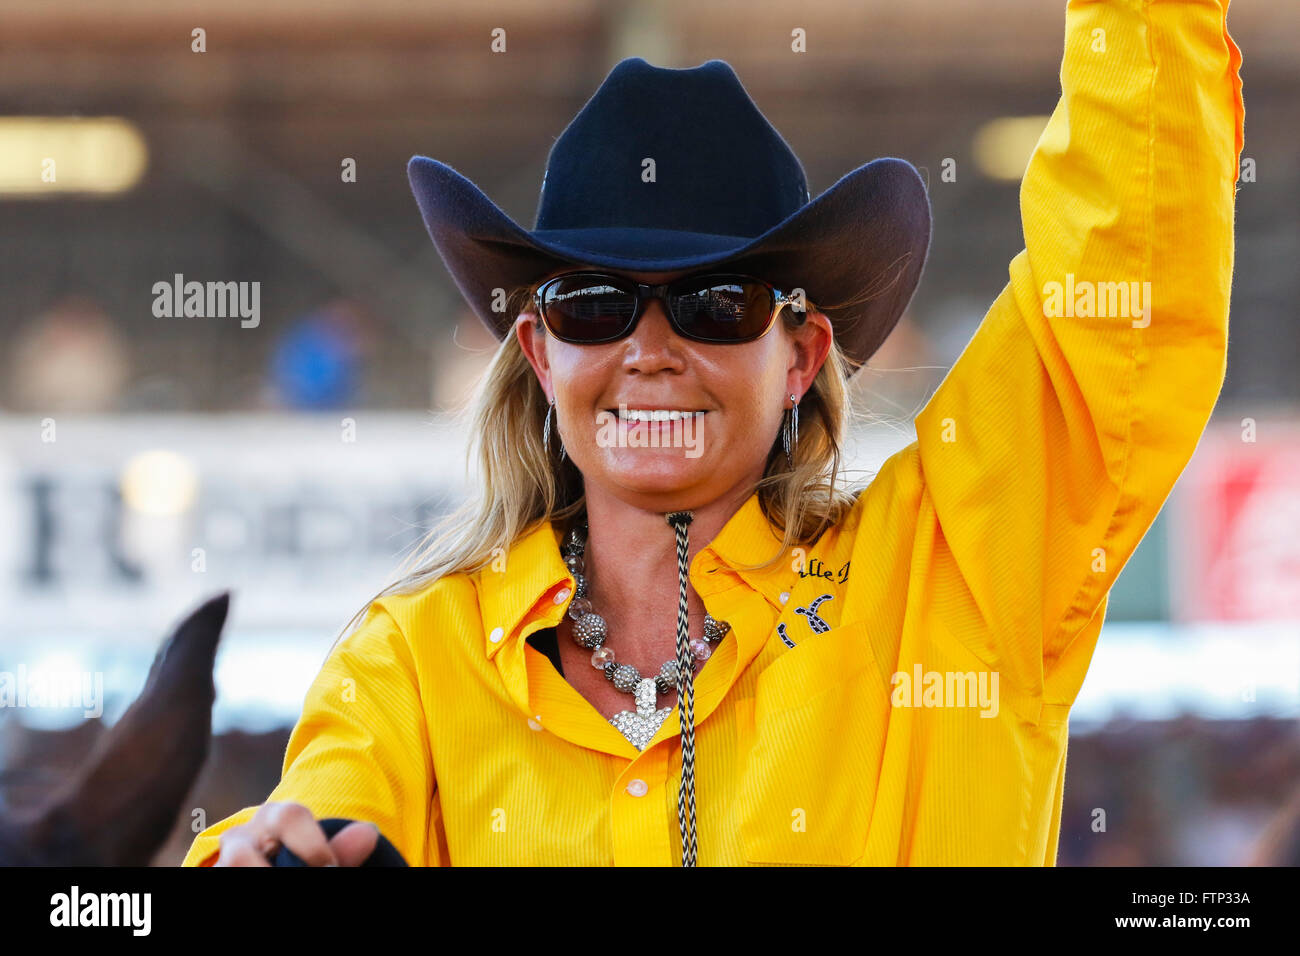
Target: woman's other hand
x: 292, y: 825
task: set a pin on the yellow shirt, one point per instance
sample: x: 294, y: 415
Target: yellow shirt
x: 986, y: 549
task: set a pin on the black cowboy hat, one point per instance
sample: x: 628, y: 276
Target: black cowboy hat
x: 675, y: 170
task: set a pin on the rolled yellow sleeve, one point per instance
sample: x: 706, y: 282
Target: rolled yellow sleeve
x: 1053, y: 442
x: 360, y: 749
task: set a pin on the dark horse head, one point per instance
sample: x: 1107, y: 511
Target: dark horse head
x: 120, y: 807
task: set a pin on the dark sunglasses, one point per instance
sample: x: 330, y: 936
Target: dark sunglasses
x: 588, y: 308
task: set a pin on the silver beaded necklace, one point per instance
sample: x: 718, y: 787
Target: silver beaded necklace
x: 591, y: 632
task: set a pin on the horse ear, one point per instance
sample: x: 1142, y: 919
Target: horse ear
x: 120, y: 808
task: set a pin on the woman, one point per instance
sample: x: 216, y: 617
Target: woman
x: 817, y: 675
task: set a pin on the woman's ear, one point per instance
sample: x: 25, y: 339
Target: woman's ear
x: 532, y: 341
x: 812, y: 344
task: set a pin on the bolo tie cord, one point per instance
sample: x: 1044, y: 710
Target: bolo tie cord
x: 685, y: 695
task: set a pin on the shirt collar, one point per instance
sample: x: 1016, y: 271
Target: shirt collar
x: 514, y: 583
x: 746, y: 538
x: 533, y: 571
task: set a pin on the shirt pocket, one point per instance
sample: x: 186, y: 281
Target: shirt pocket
x: 809, y: 743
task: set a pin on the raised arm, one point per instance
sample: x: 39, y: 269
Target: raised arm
x: 360, y: 749
x: 1053, y: 442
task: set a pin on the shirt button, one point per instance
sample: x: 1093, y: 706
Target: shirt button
x: 637, y: 788
x: 785, y: 596
x: 535, y: 722
x: 497, y: 634
x: 561, y: 595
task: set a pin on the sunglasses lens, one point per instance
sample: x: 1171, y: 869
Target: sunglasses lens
x: 588, y: 309
x: 599, y: 308
x: 724, y: 309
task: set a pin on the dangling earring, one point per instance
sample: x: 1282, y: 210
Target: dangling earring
x: 546, y: 432
x: 790, y: 431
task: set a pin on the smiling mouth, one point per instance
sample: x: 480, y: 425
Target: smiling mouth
x: 635, y: 415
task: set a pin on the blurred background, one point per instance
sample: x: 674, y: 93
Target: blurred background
x: 147, y: 460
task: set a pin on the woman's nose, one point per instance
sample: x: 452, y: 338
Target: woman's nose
x: 654, y: 344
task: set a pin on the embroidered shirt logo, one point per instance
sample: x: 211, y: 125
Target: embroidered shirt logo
x: 814, y: 621
x: 810, y: 612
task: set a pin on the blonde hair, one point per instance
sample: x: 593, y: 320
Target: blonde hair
x: 522, y: 484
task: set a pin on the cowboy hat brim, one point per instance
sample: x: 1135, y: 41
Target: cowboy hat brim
x: 857, y: 250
